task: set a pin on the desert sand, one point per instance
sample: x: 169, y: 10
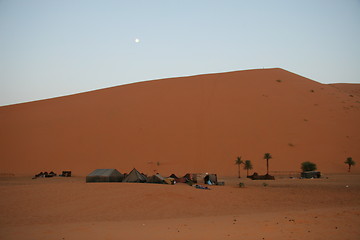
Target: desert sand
x: 69, y: 208
x: 187, y: 124
x: 351, y: 88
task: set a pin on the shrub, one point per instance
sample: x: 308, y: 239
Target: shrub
x: 308, y: 166
x: 241, y: 185
x: 349, y: 161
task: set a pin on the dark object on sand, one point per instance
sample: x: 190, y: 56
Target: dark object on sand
x: 256, y: 176
x: 173, y: 176
x: 211, y: 179
x: 65, y: 174
x: 135, y: 176
x: 187, y: 178
x: 190, y: 177
x: 201, y: 187
x: 311, y: 174
x: 44, y: 175
x: 41, y: 174
x: 157, y: 178
x: 104, y: 175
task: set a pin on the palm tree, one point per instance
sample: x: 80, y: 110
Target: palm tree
x: 349, y: 161
x: 267, y: 156
x: 238, y: 162
x: 248, y: 166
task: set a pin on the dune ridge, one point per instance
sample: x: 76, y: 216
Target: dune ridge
x: 186, y: 124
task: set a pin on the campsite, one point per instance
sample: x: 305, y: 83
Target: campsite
x: 113, y: 175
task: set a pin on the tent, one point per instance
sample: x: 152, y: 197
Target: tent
x: 212, y: 178
x: 188, y: 178
x: 65, y: 174
x: 311, y: 174
x: 173, y: 176
x: 170, y: 181
x: 104, y: 175
x: 157, y: 178
x: 181, y: 179
x: 135, y: 176
x: 256, y: 176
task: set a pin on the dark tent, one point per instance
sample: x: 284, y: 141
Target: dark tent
x: 183, y: 179
x: 256, y: 176
x: 187, y: 178
x: 65, y: 174
x: 173, y: 176
x: 212, y: 178
x: 311, y: 174
x: 135, y: 176
x: 157, y: 178
x: 104, y: 175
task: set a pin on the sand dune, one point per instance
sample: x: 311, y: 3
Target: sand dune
x: 189, y: 124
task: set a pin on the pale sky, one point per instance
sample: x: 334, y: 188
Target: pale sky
x: 50, y: 48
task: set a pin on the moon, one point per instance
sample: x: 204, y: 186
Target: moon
x: 137, y: 40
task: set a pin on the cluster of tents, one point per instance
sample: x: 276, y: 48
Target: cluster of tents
x: 52, y: 174
x: 113, y: 175
x: 45, y: 175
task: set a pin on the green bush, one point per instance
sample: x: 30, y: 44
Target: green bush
x: 308, y: 166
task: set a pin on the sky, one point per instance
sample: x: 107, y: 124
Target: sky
x: 51, y: 48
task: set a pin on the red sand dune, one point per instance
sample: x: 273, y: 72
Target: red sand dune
x: 188, y: 124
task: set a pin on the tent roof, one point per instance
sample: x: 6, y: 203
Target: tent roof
x: 134, y: 175
x: 173, y: 176
x: 105, y: 172
x: 159, y: 177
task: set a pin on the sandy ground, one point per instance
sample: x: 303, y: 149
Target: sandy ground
x: 69, y: 208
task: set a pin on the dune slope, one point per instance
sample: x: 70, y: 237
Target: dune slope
x: 353, y: 89
x: 189, y: 124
